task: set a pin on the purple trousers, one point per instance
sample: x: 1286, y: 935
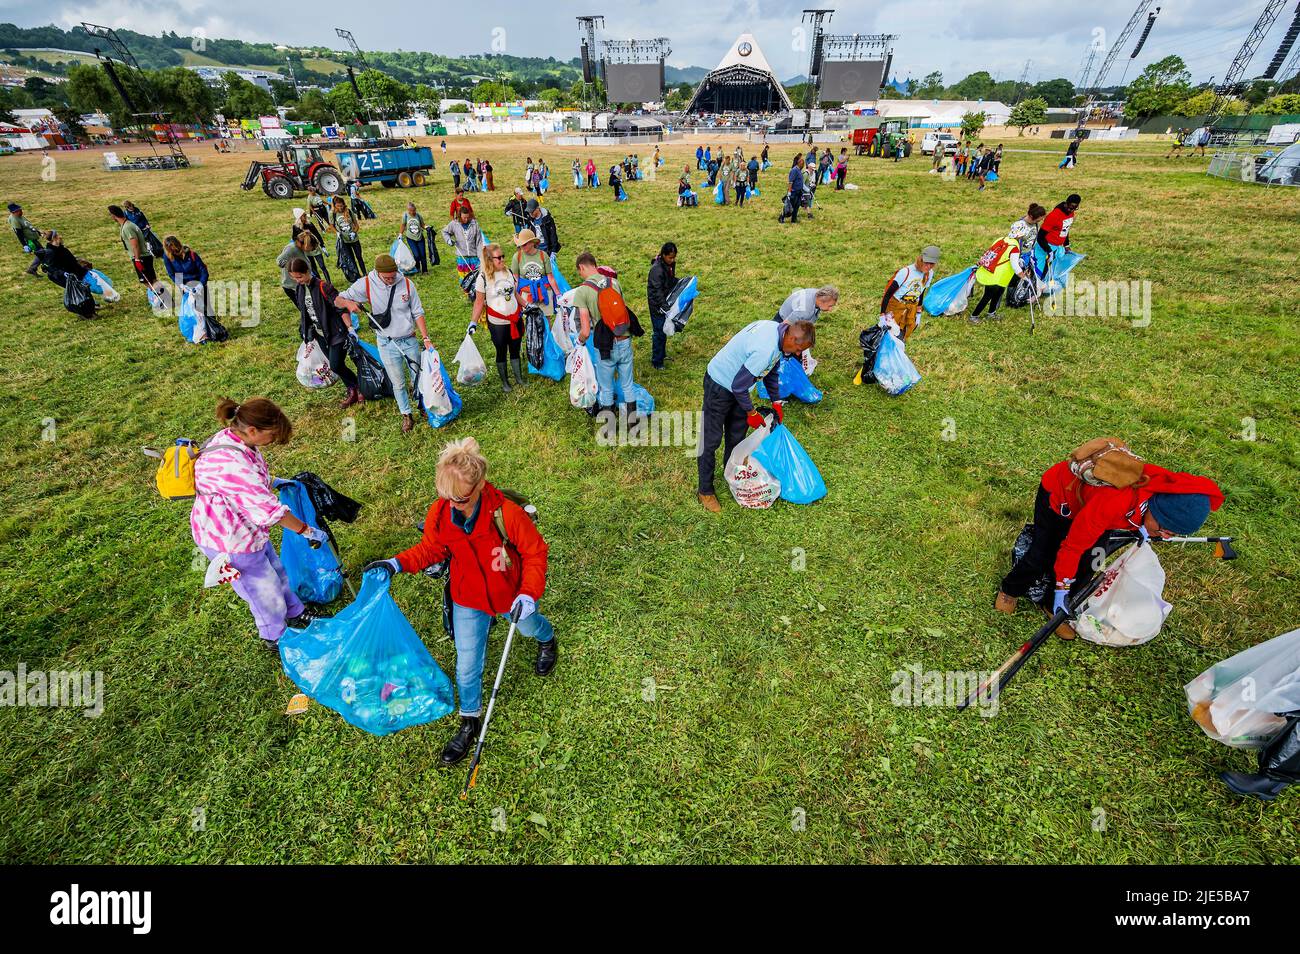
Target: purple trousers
x: 264, y: 586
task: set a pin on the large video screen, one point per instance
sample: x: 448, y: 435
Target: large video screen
x: 633, y: 82
x: 847, y: 81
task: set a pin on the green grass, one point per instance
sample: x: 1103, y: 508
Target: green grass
x: 774, y: 685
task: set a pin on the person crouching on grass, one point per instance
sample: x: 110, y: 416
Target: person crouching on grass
x: 498, y: 563
x: 753, y: 354
x: 235, y: 507
x: 396, y: 313
x: 1072, y: 516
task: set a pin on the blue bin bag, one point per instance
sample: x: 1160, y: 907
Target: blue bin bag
x: 441, y: 420
x: 98, y: 281
x: 1062, y: 265
x: 368, y: 664
x: 894, y: 370
x: 680, y: 304
x: 187, y: 318
x: 945, y: 291
x: 553, y: 358
x: 720, y: 194
x: 315, y: 575
x: 785, y: 459
x: 793, y: 383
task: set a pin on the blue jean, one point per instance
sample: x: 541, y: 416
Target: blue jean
x: 471, y: 631
x: 395, y: 352
x: 620, y: 363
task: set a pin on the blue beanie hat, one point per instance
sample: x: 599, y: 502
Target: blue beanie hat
x: 14, y: 206
x: 1181, y: 513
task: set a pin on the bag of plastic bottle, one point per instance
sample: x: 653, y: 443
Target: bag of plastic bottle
x: 192, y: 327
x: 1241, y: 701
x: 750, y: 483
x: 314, y: 369
x: 794, y: 383
x: 472, y: 369
x: 368, y: 664
x: 1126, y: 608
x: 785, y: 459
x: 315, y: 575
x: 894, y: 371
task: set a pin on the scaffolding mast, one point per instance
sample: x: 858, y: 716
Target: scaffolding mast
x: 1239, y: 63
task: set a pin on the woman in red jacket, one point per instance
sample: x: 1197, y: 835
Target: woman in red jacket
x: 1071, y: 516
x: 498, y: 562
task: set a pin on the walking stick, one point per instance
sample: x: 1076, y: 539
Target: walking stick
x: 487, y: 718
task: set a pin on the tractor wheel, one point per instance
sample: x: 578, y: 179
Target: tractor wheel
x: 328, y: 182
x: 419, y: 179
x: 404, y: 180
x: 280, y: 188
x: 387, y: 183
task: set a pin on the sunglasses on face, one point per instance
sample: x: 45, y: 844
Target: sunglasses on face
x: 498, y: 258
x: 464, y: 500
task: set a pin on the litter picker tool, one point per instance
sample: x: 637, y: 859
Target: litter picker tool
x: 487, y: 717
x: 992, y: 687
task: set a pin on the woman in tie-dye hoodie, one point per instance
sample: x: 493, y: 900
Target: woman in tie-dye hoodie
x: 235, y: 507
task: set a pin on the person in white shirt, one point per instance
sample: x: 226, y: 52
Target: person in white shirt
x: 496, y: 292
x: 395, y: 314
x: 901, y: 303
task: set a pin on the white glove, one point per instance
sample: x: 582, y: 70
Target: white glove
x: 526, y: 604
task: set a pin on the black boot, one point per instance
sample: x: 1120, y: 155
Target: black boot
x: 310, y: 611
x: 518, y: 371
x: 505, y: 376
x: 462, y: 741
x: 1264, y: 787
x: 547, y: 654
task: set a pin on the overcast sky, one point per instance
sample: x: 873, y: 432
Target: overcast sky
x: 955, y: 37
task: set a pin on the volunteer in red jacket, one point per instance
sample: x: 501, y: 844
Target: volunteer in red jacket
x: 498, y: 562
x: 1071, y: 515
x: 1054, y: 234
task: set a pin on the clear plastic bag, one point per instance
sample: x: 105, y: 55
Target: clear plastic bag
x: 314, y: 369
x: 368, y: 664
x: 439, y: 399
x: 1126, y: 608
x: 472, y: 369
x: 582, y: 378
x: 403, y: 256
x: 789, y: 464
x: 1240, y: 701
x: 749, y: 481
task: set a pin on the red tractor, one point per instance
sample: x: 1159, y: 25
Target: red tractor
x: 297, y: 168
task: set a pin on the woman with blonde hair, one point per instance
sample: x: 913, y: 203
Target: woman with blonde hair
x: 235, y: 507
x: 498, y: 567
x: 496, y: 291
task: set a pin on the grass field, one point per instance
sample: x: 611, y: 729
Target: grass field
x: 773, y: 684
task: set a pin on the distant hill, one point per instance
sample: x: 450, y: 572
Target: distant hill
x: 686, y: 74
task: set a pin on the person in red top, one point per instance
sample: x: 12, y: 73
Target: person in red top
x: 498, y: 563
x: 1054, y: 233
x: 460, y: 202
x: 1071, y: 517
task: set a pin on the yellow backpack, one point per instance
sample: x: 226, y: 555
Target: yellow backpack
x: 175, y: 475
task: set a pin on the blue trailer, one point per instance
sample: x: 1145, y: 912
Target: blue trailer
x: 403, y: 167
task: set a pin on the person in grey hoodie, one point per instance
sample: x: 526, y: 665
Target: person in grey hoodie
x: 463, y: 234
x: 294, y: 250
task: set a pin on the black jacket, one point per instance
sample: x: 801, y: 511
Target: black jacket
x: 548, y: 234
x: 659, y: 285
x: 58, y: 258
x: 329, y: 316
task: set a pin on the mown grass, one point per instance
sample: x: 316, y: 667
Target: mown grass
x: 773, y: 685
